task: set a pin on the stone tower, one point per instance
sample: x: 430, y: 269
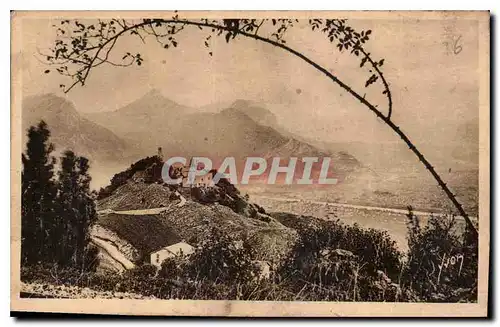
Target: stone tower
x: 160, y: 153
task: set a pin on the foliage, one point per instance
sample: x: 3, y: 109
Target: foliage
x: 38, y: 189
x: 151, y: 165
x: 327, y: 264
x: 76, y: 210
x: 81, y: 46
x: 442, y: 262
x: 56, y: 215
x: 227, y: 195
x: 221, y: 258
x: 343, y: 263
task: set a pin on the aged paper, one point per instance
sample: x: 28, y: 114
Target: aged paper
x: 250, y: 163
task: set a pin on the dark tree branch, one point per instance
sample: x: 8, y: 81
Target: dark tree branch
x: 232, y: 28
x: 386, y: 85
x: 335, y: 28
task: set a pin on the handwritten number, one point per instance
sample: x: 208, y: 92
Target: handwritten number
x: 457, y: 48
x: 453, y: 45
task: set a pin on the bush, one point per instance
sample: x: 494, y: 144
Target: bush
x: 442, y: 261
x: 371, y: 246
x: 227, y: 195
x: 151, y: 165
x: 343, y: 263
x: 329, y: 262
x: 221, y: 258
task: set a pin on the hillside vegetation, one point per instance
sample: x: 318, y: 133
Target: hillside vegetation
x: 307, y: 258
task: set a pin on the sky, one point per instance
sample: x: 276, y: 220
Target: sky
x: 434, y: 90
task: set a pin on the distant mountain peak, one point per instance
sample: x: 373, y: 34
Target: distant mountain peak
x: 50, y: 103
x: 69, y: 130
x: 255, y: 111
x: 154, y: 92
x: 152, y: 103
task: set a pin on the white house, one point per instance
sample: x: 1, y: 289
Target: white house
x: 170, y: 251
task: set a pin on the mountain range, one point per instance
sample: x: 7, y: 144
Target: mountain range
x: 240, y: 130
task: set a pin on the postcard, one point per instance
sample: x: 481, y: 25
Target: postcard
x: 250, y: 164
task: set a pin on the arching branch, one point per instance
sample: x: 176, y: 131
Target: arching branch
x: 356, y: 40
x: 89, y: 43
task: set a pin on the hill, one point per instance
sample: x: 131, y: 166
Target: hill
x: 258, y: 113
x: 149, y: 215
x: 70, y: 130
x: 146, y: 122
x: 193, y: 222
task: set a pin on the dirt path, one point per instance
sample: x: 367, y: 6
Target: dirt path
x: 151, y: 211
x: 113, y: 252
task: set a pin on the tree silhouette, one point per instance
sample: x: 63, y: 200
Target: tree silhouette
x: 55, y: 215
x: 80, y: 48
x: 38, y: 194
x: 76, y: 210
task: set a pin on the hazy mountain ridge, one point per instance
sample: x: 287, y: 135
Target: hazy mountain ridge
x: 259, y: 114
x: 71, y: 131
x: 242, y: 129
x: 145, y: 122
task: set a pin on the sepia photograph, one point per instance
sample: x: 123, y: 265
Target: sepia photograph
x: 258, y: 163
